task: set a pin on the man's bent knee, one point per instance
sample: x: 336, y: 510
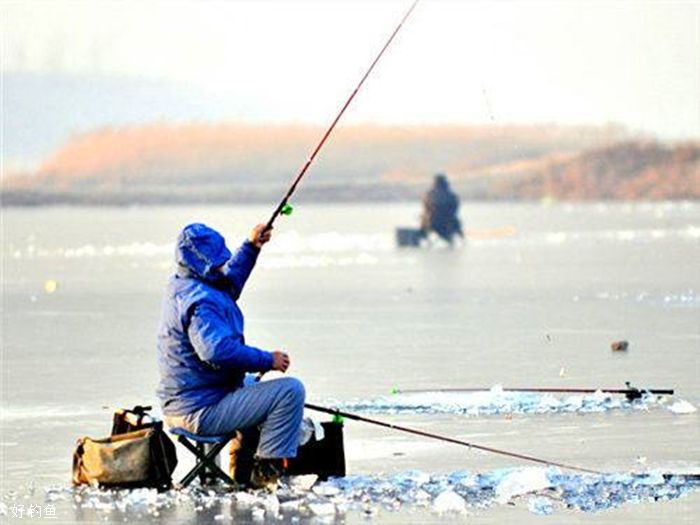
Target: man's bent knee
x: 294, y: 388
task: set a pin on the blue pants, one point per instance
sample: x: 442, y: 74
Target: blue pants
x: 277, y: 405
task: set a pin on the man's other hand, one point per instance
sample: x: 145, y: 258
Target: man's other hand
x: 259, y: 235
x: 280, y: 361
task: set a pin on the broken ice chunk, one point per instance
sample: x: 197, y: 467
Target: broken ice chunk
x: 521, y: 482
x: 449, y: 501
x: 541, y: 506
x: 682, y: 407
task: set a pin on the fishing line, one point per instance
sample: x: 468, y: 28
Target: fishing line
x: 487, y: 102
x: 447, y: 439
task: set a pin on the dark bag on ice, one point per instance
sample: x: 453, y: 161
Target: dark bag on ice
x: 409, y: 236
x: 137, y: 454
x: 323, y: 456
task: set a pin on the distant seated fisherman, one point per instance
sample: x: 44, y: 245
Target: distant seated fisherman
x: 440, y: 211
x: 203, y: 357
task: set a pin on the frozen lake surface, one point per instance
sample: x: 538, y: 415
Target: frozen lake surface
x: 534, y: 299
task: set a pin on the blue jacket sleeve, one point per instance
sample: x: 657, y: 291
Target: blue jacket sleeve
x: 238, y: 268
x: 219, y: 346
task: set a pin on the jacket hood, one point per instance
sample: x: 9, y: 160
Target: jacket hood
x: 200, y: 249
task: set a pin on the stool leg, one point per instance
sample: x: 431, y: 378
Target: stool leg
x: 205, y: 466
x: 203, y: 474
x: 213, y: 466
x: 199, y: 463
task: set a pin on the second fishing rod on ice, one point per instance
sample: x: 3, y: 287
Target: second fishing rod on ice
x: 630, y: 392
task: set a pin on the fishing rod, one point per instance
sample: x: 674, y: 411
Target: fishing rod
x: 631, y: 393
x: 284, y: 208
x: 348, y: 415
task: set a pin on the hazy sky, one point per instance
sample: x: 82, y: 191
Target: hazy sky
x: 635, y: 63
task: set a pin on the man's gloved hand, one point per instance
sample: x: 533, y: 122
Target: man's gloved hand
x: 280, y: 361
x: 259, y: 236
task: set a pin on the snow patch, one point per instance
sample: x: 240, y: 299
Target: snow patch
x: 682, y: 407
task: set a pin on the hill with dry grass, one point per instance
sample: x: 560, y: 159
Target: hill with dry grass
x: 631, y: 170
x: 162, y: 163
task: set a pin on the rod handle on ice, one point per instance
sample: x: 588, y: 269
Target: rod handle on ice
x: 633, y: 393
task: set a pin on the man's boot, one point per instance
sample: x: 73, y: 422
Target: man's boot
x: 267, y: 472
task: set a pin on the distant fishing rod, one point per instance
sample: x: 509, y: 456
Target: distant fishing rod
x: 631, y: 393
x: 284, y: 207
x: 447, y: 439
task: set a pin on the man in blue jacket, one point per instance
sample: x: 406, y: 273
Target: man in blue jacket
x: 203, y: 357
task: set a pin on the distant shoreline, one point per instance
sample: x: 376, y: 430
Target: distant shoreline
x: 4, y: 204
x: 205, y: 164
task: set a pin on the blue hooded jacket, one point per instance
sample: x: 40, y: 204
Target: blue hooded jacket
x: 202, y: 355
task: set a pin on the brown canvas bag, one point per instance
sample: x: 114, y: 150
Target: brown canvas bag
x: 119, y: 460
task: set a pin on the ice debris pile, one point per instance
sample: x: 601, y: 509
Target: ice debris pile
x: 496, y: 401
x: 540, y: 490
